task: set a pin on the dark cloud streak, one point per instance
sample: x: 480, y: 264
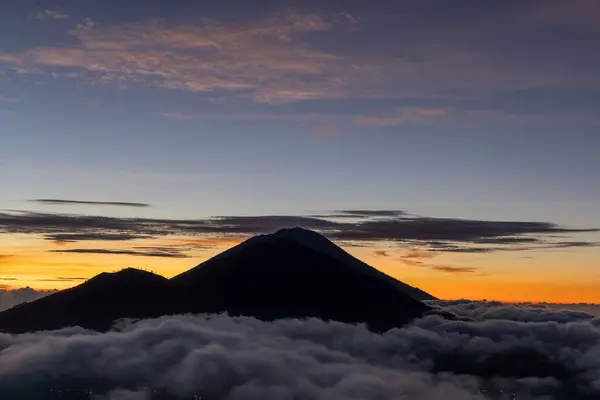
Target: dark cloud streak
x: 86, y: 202
x: 79, y: 237
x: 453, y: 270
x: 142, y: 252
x: 62, y: 279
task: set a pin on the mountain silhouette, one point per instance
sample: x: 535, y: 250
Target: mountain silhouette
x: 293, y: 273
x: 303, y: 240
x: 94, y: 304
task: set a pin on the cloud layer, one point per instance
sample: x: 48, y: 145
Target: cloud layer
x: 299, y: 54
x: 264, y: 59
x: 345, y: 226
x: 504, y: 352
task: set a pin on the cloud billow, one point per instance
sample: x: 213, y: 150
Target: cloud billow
x: 220, y: 357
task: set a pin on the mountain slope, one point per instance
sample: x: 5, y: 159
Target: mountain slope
x: 94, y: 304
x: 297, y: 273
x: 319, y: 244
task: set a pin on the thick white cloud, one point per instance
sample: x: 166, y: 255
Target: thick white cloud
x: 526, y: 312
x: 221, y: 357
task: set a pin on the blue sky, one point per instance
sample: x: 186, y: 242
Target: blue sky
x: 455, y: 109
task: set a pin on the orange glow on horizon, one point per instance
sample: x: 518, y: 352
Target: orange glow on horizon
x: 503, y: 277
x: 514, y: 292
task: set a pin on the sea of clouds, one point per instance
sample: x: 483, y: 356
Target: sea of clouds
x: 494, y: 351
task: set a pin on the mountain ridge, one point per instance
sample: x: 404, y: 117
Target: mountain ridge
x: 292, y: 273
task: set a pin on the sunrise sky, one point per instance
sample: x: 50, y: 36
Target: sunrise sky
x: 156, y: 134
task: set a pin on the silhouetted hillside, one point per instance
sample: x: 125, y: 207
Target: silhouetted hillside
x: 320, y: 244
x: 298, y: 273
x: 93, y: 304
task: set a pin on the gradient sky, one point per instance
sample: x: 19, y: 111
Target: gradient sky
x: 454, y: 110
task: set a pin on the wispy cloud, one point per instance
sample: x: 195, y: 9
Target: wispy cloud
x: 86, y: 202
x: 264, y: 59
x: 4, y: 257
x: 381, y: 253
x: 92, y: 103
x: 420, y: 258
x: 417, y: 257
x: 402, y: 116
x: 142, y: 251
x: 454, y: 270
x: 289, y: 55
x: 179, y: 116
x: 371, y: 213
x: 576, y: 13
x: 61, y: 238
x: 49, y: 14
x: 5, y: 100
x: 207, y: 243
x: 324, y: 132
x: 62, y: 279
